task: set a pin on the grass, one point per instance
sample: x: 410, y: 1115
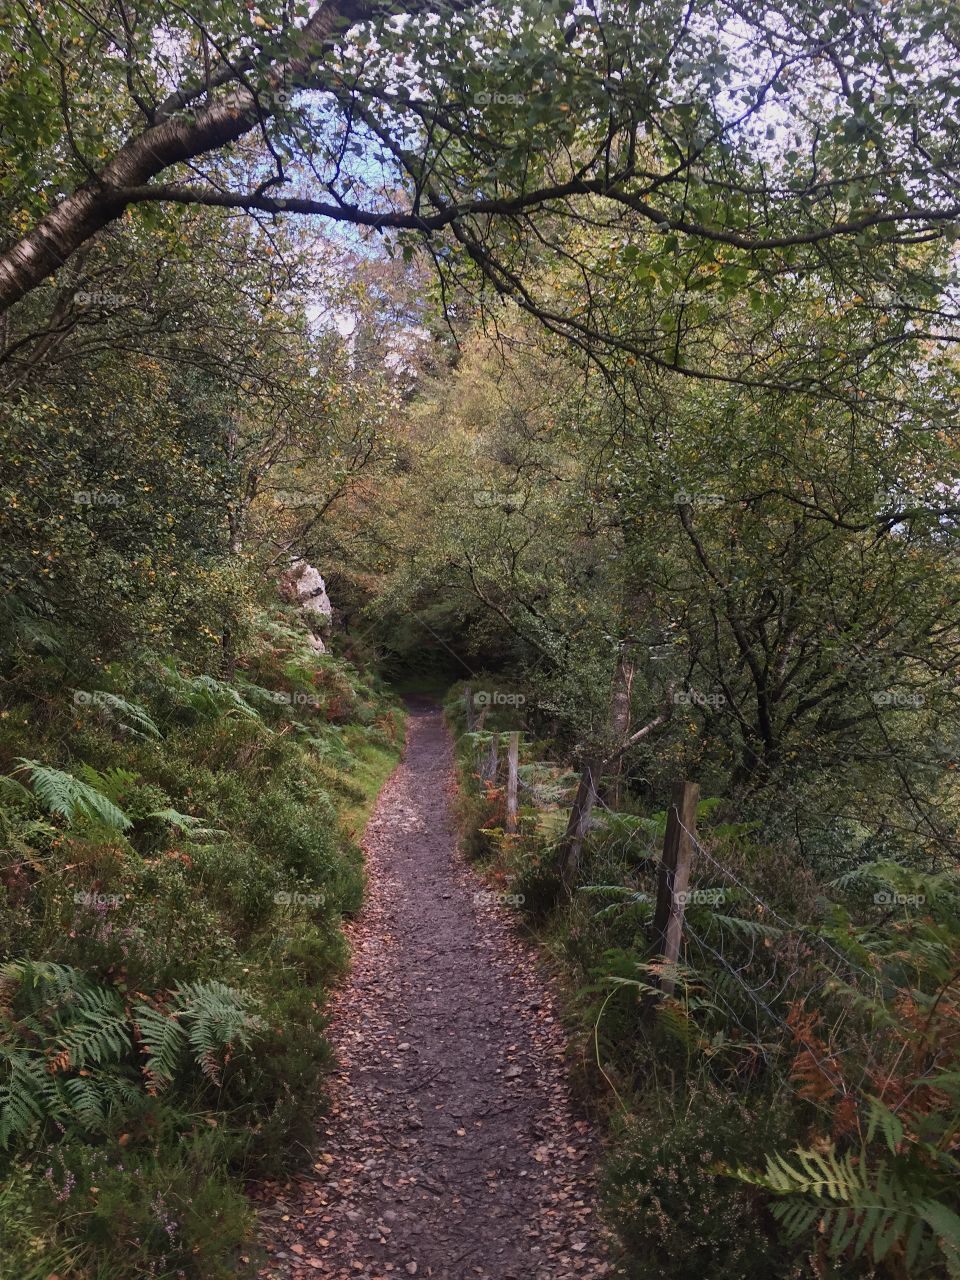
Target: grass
x: 245, y: 886
x: 374, y: 766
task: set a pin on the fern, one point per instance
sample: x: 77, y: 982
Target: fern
x: 21, y: 1105
x: 130, y: 716
x: 70, y: 1024
x: 211, y: 699
x: 859, y: 1211
x: 885, y: 1122
x: 163, y: 1041
x: 209, y: 1017
x: 15, y: 792
x: 546, y: 784
x: 71, y: 798
x: 100, y: 1033
x: 331, y: 748
x: 192, y: 827
x: 66, y: 1053
x: 218, y: 1019
x: 45, y: 984
x: 114, y: 782
x: 624, y: 897
x: 932, y: 890
x: 715, y: 922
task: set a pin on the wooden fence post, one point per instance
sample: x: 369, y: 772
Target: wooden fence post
x: 579, y: 822
x: 513, y: 767
x: 674, y: 875
x: 468, y: 704
x: 480, y: 754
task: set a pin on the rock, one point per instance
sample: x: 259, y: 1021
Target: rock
x: 303, y: 585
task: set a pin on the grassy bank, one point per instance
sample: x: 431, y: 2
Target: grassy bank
x: 179, y: 851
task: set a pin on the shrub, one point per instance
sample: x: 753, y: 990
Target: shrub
x: 144, y: 858
x: 676, y: 1214
x: 299, y: 831
x: 169, y: 1200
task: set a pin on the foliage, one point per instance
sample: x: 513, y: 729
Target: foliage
x: 68, y: 1057
x: 677, y: 1217
x: 171, y: 923
x: 804, y: 1011
x: 68, y: 797
x: 866, y: 1210
x: 643, y: 412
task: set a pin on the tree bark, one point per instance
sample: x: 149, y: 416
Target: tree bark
x: 168, y: 141
x: 578, y: 823
x: 620, y: 717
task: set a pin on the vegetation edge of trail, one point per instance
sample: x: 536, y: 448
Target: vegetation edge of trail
x: 190, y: 846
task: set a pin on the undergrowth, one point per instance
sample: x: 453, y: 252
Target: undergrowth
x: 792, y: 1107
x: 178, y: 853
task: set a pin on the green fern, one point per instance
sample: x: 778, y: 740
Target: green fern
x: 862, y: 1211
x: 209, y: 698
x: 715, y: 922
x: 332, y: 749
x: 44, y: 984
x: 68, y: 797
x: 217, y: 1018
x: 114, y: 782
x: 163, y: 1040
x: 624, y: 897
x: 62, y: 1023
x: 100, y: 1033
x: 881, y: 1120
x: 130, y: 716
x: 14, y: 792
x: 208, y: 1017
x: 21, y: 1096
x: 192, y: 827
x: 66, y: 1051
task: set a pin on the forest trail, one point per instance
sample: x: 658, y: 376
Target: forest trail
x: 451, y: 1149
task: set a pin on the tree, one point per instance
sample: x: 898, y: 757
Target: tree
x: 726, y: 139
x: 780, y: 569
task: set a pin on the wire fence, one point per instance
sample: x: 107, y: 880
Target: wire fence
x: 757, y: 971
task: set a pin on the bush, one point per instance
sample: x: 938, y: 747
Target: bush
x: 298, y: 831
x: 538, y: 882
x: 676, y: 1213
x: 170, y: 1202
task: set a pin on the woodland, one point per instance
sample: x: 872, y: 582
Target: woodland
x: 601, y: 357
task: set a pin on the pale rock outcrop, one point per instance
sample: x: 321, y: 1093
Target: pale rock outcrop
x: 303, y: 585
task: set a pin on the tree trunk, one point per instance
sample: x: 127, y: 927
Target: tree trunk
x: 568, y: 856
x: 571, y: 845
x: 620, y: 718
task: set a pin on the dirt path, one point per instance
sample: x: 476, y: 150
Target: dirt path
x: 451, y: 1150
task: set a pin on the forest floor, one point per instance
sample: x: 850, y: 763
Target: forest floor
x: 452, y: 1148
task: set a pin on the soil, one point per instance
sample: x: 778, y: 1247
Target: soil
x: 451, y: 1148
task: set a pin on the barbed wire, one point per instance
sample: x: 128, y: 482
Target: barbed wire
x: 788, y: 925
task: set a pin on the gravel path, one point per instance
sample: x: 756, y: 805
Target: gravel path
x: 451, y: 1149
